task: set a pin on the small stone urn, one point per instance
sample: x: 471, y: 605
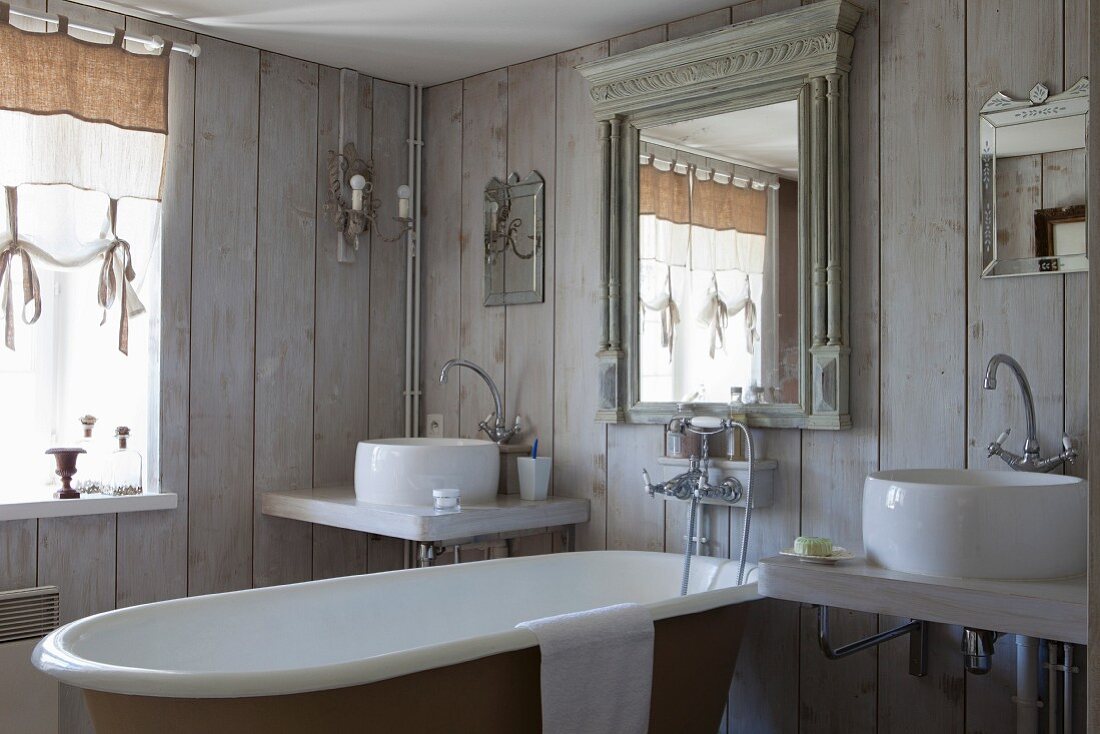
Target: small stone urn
x: 66, y: 468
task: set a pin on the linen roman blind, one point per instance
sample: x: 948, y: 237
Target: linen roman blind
x: 90, y: 115
x: 82, y: 126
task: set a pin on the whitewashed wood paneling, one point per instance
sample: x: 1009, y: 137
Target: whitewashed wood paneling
x: 1093, y: 666
x: 223, y: 318
x: 282, y: 550
x: 340, y: 388
x: 481, y: 330
x: 440, y: 237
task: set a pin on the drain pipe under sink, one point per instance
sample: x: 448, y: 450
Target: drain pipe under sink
x: 1027, y: 685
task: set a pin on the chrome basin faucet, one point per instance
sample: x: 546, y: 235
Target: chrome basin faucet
x: 1031, y: 459
x: 493, y: 425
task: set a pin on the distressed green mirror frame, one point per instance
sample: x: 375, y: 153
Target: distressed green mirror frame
x: 802, y: 54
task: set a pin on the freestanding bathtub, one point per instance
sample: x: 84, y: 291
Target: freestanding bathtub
x: 425, y: 650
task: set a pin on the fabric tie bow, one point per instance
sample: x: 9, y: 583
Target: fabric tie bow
x: 117, y: 256
x: 32, y: 291
x: 714, y: 316
x: 670, y: 314
x: 746, y: 304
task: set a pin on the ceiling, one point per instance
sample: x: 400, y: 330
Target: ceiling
x: 764, y: 137
x: 421, y: 41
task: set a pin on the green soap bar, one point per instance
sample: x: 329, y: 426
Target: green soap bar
x: 805, y: 546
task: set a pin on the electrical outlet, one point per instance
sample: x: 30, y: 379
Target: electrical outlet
x: 434, y: 425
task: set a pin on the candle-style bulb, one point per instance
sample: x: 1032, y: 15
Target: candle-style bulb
x: 403, y: 194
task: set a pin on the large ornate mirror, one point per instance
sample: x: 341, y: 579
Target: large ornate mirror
x: 726, y: 222
x: 1034, y: 182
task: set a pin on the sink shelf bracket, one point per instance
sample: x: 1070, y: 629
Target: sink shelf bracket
x: 915, y: 628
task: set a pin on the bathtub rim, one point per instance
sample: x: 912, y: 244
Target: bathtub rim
x: 51, y: 657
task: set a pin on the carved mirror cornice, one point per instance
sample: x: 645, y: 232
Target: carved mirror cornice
x: 802, y: 54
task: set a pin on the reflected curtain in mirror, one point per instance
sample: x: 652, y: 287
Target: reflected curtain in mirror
x: 707, y: 280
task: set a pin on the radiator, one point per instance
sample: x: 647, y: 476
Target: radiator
x: 28, y: 698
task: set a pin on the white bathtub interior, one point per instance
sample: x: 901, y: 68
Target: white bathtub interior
x: 358, y: 629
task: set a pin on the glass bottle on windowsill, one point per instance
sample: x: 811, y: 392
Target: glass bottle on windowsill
x: 124, y: 467
x: 91, y: 476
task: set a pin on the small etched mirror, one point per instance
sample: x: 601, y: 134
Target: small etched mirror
x: 1034, y: 183
x: 514, y: 240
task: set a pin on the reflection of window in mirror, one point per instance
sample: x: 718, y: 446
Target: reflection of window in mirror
x: 718, y: 257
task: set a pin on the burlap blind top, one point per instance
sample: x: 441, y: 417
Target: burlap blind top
x: 664, y: 194
x: 726, y: 206
x: 54, y: 73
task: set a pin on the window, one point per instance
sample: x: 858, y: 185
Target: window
x: 68, y: 364
x: 83, y: 131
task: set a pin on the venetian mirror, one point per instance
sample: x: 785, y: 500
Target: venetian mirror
x: 1034, y: 182
x: 727, y: 222
x: 514, y: 240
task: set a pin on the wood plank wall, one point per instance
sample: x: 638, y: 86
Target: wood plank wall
x: 1092, y: 39
x: 923, y: 327
x: 266, y: 342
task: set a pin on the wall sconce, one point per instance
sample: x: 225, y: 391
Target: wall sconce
x: 502, y: 231
x: 359, y: 216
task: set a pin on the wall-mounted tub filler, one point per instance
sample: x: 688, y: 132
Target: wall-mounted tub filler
x: 694, y: 485
x: 1031, y: 459
x: 493, y: 426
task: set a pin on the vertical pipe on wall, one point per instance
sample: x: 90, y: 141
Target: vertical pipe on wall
x: 1067, y: 688
x: 416, y: 186
x: 1027, y: 685
x: 412, y: 268
x: 409, y: 273
x: 1052, y: 687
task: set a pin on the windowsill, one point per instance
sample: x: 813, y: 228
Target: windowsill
x: 29, y: 505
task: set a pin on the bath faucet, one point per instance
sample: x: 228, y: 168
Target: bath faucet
x: 1031, y: 460
x: 695, y: 482
x: 493, y: 425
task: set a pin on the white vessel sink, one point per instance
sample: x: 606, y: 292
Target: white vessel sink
x: 976, y: 524
x: 404, y: 471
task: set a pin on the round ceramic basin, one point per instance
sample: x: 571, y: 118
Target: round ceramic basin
x: 404, y: 471
x: 976, y: 524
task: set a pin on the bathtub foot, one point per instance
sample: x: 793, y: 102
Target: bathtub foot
x: 425, y: 555
x: 918, y: 642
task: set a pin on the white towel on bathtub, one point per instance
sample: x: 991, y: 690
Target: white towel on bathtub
x: 597, y: 670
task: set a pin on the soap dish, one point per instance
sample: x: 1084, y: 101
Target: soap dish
x: 838, y: 554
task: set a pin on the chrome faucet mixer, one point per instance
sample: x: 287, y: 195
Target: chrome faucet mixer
x: 694, y: 485
x: 493, y: 426
x: 1031, y: 460
x: 695, y: 482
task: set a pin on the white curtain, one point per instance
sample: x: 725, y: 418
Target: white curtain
x: 51, y: 149
x: 84, y: 129
x: 694, y: 255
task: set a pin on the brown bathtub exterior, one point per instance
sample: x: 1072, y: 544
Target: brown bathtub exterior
x: 694, y: 657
